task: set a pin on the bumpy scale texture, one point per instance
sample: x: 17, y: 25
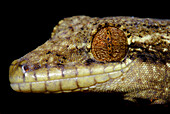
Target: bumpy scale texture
x: 112, y: 54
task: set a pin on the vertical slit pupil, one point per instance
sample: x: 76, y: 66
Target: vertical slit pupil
x: 109, y: 45
x: 108, y: 39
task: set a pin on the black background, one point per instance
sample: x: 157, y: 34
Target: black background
x: 28, y: 25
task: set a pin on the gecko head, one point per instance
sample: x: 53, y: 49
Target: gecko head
x: 82, y: 54
x: 73, y: 59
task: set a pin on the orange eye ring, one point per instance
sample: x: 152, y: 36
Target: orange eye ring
x: 109, y: 44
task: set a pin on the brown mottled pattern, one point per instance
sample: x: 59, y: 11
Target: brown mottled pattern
x: 66, y: 63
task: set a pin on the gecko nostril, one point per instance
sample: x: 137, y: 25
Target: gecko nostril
x: 25, y: 68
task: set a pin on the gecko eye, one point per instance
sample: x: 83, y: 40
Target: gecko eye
x: 109, y: 44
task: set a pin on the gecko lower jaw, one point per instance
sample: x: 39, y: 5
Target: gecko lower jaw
x: 65, y: 78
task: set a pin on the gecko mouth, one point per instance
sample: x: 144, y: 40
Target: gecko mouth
x: 64, y: 78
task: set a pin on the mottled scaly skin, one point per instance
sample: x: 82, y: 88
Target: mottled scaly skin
x: 65, y: 62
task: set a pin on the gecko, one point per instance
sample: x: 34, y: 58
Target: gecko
x: 89, y: 54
